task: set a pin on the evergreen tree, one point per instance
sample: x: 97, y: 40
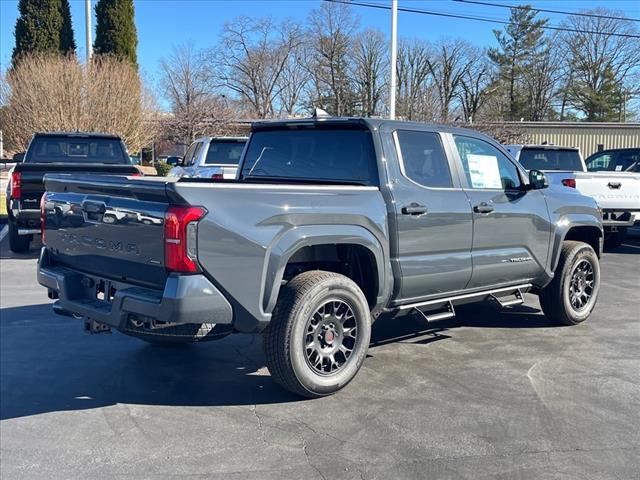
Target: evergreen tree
x: 522, y: 38
x: 115, y: 29
x: 44, y: 26
x: 67, y: 42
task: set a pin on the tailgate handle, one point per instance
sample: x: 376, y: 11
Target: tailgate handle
x: 93, y: 207
x: 614, y: 185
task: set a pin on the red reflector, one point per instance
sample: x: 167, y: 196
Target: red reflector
x: 217, y: 176
x: 569, y: 182
x: 43, y: 216
x: 139, y: 174
x: 179, y: 250
x: 16, y: 185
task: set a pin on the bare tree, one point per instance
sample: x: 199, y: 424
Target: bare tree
x: 195, y: 107
x: 370, y: 67
x: 414, y: 94
x: 253, y: 57
x: 55, y: 93
x: 292, y: 82
x: 448, y: 66
x: 475, y: 84
x: 542, y: 76
x: 600, y: 61
x: 331, y: 28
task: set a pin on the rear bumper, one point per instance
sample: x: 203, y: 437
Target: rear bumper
x: 27, y: 220
x: 185, y: 298
x: 619, y: 218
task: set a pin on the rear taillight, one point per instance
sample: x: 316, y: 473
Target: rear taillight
x: 217, y: 176
x: 138, y: 174
x: 180, y: 237
x: 43, y: 216
x: 569, y: 182
x: 16, y: 185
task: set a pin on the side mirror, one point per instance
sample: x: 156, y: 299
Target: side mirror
x: 18, y: 157
x: 537, y: 180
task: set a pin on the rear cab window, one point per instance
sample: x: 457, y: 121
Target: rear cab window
x: 550, y: 159
x: 224, y: 152
x: 62, y: 149
x: 328, y: 154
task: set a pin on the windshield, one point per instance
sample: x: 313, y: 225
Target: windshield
x: 227, y: 153
x: 63, y: 149
x: 325, y: 154
x: 550, y: 159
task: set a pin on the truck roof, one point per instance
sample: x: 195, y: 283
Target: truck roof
x: 77, y: 134
x: 362, y: 121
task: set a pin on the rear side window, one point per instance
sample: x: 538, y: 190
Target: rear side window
x: 52, y: 149
x: 324, y: 154
x: 423, y: 158
x: 601, y: 162
x: 550, y: 159
x: 227, y: 153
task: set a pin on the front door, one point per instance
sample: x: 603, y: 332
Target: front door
x: 432, y: 218
x: 511, y: 229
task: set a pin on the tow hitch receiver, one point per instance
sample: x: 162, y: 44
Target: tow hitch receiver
x: 91, y: 326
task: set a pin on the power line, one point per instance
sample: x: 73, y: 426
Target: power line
x: 478, y: 19
x: 546, y: 10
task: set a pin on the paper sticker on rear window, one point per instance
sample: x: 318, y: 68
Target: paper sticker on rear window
x: 484, y: 171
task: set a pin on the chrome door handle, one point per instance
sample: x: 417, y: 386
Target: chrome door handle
x: 414, y: 209
x: 484, y: 207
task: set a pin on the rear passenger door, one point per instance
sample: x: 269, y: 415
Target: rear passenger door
x: 432, y: 217
x: 511, y: 228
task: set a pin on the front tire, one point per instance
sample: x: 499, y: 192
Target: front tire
x: 572, y: 294
x: 319, y: 334
x: 18, y: 243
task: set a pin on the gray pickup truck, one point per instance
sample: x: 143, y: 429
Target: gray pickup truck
x: 330, y: 223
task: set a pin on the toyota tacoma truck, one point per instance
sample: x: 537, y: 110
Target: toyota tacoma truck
x: 617, y: 192
x: 95, y: 153
x: 330, y: 223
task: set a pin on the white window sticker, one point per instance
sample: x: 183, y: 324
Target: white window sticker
x: 484, y: 171
x: 618, y: 168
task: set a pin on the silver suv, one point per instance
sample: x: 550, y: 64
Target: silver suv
x: 211, y: 157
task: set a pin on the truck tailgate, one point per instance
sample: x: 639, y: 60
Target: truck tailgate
x: 112, y: 227
x: 620, y: 191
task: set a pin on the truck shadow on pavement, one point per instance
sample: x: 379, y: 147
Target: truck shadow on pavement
x: 48, y: 364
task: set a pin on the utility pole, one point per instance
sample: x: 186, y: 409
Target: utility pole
x: 394, y: 58
x: 87, y: 21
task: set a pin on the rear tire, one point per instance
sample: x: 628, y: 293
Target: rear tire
x: 572, y: 294
x: 319, y: 334
x: 615, y: 239
x: 18, y: 243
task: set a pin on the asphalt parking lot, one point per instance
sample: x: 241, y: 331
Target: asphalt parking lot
x: 488, y: 394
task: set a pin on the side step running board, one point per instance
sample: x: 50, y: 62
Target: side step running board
x: 509, y: 301
x: 446, y: 312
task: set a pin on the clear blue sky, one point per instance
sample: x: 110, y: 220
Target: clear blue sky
x: 164, y: 23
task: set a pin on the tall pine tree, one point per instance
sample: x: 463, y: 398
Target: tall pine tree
x: 44, y: 26
x: 115, y: 29
x: 522, y: 38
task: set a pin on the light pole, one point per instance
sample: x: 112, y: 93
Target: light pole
x: 394, y: 57
x: 87, y: 21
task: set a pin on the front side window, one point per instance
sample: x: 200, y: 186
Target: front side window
x: 344, y: 155
x: 485, y: 166
x: 601, y: 162
x: 423, y: 158
x: 189, y: 155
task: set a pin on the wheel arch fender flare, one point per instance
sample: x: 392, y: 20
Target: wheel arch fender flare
x: 291, y: 241
x: 580, y: 227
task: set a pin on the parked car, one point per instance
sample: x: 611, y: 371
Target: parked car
x: 96, y: 153
x: 331, y: 223
x: 617, y: 192
x: 615, y: 160
x: 211, y: 157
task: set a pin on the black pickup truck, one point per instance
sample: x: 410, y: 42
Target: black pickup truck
x: 95, y: 153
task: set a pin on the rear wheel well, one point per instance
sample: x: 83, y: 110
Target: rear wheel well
x: 351, y: 260
x: 590, y: 235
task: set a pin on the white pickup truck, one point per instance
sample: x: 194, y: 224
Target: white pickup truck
x: 617, y: 193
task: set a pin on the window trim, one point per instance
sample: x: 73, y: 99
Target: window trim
x: 400, y: 158
x: 508, y: 156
